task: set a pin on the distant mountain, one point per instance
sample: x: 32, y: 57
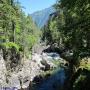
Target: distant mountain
x: 41, y: 17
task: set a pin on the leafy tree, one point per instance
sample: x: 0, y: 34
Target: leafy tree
x: 16, y: 27
x: 72, y: 27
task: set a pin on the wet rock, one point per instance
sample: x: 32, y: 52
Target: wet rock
x: 48, y: 65
x: 47, y: 76
x: 68, y: 55
x: 37, y: 79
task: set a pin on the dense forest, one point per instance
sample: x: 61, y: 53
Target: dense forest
x: 69, y: 29
x: 67, y: 32
x: 16, y: 29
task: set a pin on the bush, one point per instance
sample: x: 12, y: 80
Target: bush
x: 9, y: 45
x: 83, y: 81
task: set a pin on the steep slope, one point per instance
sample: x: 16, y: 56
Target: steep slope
x: 41, y: 17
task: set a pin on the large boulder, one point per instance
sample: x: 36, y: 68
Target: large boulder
x: 68, y: 55
x: 37, y: 79
x: 48, y: 65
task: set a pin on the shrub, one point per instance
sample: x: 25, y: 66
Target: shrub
x: 9, y: 45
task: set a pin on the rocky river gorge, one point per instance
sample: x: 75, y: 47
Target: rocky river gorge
x: 43, y: 71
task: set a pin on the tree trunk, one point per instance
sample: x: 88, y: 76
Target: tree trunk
x: 13, y: 29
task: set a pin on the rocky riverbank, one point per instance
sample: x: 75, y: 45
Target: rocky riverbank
x: 26, y: 72
x: 22, y: 76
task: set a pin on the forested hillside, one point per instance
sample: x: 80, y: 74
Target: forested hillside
x: 16, y: 29
x: 69, y: 30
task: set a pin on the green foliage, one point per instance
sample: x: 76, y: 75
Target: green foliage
x: 80, y: 78
x: 31, y: 40
x: 17, y: 28
x: 10, y: 45
x: 69, y: 26
x: 83, y: 81
x: 2, y: 37
x: 50, y: 32
x: 76, y: 28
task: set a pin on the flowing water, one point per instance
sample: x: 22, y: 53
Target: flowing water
x: 56, y: 80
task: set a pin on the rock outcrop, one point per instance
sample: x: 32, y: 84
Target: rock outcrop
x: 2, y: 70
x: 24, y: 72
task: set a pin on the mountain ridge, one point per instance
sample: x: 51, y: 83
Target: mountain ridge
x: 42, y: 16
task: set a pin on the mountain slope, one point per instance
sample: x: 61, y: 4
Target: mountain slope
x: 41, y: 17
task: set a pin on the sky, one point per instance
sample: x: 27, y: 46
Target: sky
x: 31, y: 6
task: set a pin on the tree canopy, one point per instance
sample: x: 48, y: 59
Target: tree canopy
x: 15, y: 26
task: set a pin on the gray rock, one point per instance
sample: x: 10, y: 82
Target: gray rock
x: 2, y: 70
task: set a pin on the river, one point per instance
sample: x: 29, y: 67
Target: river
x: 54, y: 82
